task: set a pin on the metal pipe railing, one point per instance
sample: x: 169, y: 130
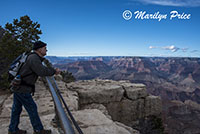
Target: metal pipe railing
x: 65, y: 104
x: 65, y: 122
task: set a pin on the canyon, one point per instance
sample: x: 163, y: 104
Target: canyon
x: 175, y: 79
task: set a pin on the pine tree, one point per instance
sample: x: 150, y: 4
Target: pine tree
x: 16, y: 38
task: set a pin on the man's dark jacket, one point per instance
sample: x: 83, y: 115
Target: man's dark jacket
x: 33, y: 67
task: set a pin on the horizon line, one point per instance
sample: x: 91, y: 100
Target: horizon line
x: 129, y: 56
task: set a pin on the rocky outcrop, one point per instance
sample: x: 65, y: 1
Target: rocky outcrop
x: 125, y: 102
x: 93, y: 118
x: 98, y: 106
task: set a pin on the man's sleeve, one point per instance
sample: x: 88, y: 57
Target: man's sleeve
x: 37, y: 67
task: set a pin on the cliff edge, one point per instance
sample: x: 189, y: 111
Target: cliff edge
x: 99, y: 107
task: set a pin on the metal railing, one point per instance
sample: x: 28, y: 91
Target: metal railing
x: 66, y: 107
x: 65, y: 122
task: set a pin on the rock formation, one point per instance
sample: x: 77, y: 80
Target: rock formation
x: 99, y: 107
x: 125, y: 102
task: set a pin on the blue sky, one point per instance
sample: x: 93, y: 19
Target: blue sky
x: 97, y: 27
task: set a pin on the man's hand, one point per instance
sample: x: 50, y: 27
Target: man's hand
x: 57, y: 71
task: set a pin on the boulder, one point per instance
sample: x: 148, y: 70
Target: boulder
x: 135, y: 91
x: 93, y: 121
x: 97, y: 91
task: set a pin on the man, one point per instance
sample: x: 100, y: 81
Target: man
x: 32, y: 68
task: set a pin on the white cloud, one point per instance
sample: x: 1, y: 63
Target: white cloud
x: 176, y: 3
x: 172, y: 48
